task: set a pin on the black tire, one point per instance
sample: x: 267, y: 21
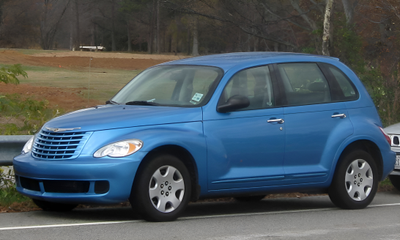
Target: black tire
x: 53, y: 206
x: 162, y: 189
x: 355, y: 181
x: 395, y: 180
x: 254, y: 198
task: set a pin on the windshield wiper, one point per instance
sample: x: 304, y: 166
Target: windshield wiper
x: 111, y: 102
x: 142, y: 103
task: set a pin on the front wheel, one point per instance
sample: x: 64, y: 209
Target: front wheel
x: 162, y: 189
x: 355, y: 182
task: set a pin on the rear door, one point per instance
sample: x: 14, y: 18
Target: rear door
x: 316, y: 122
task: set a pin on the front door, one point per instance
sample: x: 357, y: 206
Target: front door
x: 246, y: 147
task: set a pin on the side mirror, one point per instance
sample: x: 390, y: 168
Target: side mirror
x: 235, y: 102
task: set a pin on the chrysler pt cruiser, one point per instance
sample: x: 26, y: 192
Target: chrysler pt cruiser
x: 242, y: 125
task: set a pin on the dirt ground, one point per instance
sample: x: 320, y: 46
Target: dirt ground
x: 69, y: 99
x: 78, y: 59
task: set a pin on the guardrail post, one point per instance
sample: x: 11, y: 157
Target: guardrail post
x: 11, y: 146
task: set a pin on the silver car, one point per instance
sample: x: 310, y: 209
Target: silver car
x: 394, y: 132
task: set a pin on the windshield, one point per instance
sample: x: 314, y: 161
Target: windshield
x: 172, y: 85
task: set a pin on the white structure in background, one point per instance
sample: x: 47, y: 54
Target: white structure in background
x: 92, y: 48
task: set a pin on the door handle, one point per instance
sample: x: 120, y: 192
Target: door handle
x: 276, y: 120
x: 341, y: 115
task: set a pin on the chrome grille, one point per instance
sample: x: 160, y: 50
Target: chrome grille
x: 59, y: 145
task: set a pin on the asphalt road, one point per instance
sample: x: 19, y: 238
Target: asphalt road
x: 271, y: 219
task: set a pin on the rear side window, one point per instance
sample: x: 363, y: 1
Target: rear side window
x: 304, y: 83
x: 348, y: 89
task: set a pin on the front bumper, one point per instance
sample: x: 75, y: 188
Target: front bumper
x: 396, y: 170
x: 82, y: 180
x: 395, y: 173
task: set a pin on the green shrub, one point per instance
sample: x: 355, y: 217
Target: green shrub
x: 23, y: 116
x: 9, y: 74
x: 8, y: 193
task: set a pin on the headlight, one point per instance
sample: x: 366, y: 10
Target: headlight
x: 28, y: 145
x: 119, y: 149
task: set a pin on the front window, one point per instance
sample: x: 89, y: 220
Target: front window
x: 255, y: 84
x: 173, y: 85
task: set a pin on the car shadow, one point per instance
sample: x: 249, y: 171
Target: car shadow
x: 201, y: 209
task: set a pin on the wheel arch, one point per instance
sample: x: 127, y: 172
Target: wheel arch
x: 369, y: 147
x: 185, y: 156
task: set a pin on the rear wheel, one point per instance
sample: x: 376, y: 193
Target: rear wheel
x: 395, y: 180
x: 355, y: 182
x: 162, y: 189
x: 53, y: 206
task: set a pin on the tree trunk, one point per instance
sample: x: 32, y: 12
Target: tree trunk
x: 327, y: 25
x: 247, y: 44
x: 310, y: 22
x: 113, y: 44
x: 49, y: 30
x: 93, y: 40
x: 77, y: 28
x: 195, y: 33
x: 71, y: 37
x: 349, y: 10
x: 151, y: 34
x: 276, y: 47
x: 158, y: 26
x: 255, y: 44
x: 129, y: 37
x: 188, y: 42
x: 43, y: 25
x: 152, y: 45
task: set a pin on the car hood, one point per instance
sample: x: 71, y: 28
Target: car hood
x: 393, y: 129
x: 122, y: 116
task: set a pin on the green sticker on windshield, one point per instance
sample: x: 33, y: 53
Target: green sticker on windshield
x: 197, y: 97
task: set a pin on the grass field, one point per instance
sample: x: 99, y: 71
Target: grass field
x: 66, y: 78
x: 98, y: 84
x: 32, y: 51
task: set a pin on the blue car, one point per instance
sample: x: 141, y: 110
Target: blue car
x: 241, y: 124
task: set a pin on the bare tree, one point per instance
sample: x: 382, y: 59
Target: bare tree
x: 52, y: 13
x: 271, y: 20
x: 349, y: 7
x: 157, y: 15
x: 327, y: 25
x: 195, y: 33
x: 77, y: 28
x: 19, y: 21
x: 144, y: 14
x: 113, y: 45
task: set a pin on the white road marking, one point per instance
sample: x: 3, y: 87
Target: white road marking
x: 183, y: 218
x: 67, y: 225
x: 384, y: 205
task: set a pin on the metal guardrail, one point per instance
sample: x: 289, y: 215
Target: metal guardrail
x: 11, y: 146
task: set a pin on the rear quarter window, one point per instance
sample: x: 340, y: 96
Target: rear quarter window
x: 348, y: 90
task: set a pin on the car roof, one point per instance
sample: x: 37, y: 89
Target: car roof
x: 247, y: 59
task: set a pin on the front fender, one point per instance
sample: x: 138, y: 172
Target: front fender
x: 187, y: 135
